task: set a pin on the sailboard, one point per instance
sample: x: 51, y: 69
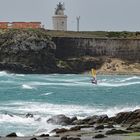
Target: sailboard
x: 93, y: 73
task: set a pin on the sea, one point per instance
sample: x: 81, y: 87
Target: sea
x: 47, y: 95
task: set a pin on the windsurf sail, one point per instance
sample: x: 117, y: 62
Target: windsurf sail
x: 94, y: 80
x: 93, y: 72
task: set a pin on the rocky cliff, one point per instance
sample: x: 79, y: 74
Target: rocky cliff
x: 107, y: 55
x: 27, y: 51
x: 34, y: 51
x: 128, y: 49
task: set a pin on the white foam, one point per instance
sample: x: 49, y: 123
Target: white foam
x: 20, y: 134
x: 25, y: 86
x: 47, y: 109
x: 15, y: 119
x: 46, y: 94
x: 3, y: 73
x: 130, y: 78
x: 107, y: 84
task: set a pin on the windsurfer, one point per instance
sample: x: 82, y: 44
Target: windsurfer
x: 94, y: 81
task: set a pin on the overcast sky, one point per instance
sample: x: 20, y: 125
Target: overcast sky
x: 116, y: 15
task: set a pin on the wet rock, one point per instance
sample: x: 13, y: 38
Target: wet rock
x: 115, y: 131
x: 96, y: 119
x: 60, y: 120
x: 128, y: 118
x: 29, y: 115
x: 99, y: 127
x: 33, y: 139
x: 78, y: 122
x: 44, y: 135
x: 61, y: 130
x: 99, y: 136
x: 11, y: 135
x: 102, y: 119
x: 64, y: 138
x: 73, y: 119
x: 109, y: 126
x: 76, y: 128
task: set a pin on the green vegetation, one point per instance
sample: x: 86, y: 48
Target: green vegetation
x: 81, y: 34
x: 95, y: 34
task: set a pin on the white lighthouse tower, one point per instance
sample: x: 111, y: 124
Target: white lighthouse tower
x: 59, y: 19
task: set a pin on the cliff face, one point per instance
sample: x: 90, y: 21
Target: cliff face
x: 24, y: 51
x: 33, y: 51
x: 127, y: 49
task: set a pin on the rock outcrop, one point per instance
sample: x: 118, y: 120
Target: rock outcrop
x: 27, y: 51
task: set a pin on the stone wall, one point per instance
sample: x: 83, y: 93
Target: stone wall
x: 117, y: 48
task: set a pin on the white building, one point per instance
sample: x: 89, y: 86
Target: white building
x: 59, y: 19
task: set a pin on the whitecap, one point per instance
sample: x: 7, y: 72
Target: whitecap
x: 46, y: 94
x: 3, y: 73
x: 107, y: 84
x: 25, y: 86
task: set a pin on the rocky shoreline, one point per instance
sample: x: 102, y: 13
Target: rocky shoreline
x: 125, y: 125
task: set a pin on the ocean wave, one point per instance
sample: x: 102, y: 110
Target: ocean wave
x: 3, y: 73
x: 107, y: 84
x: 25, y: 86
x: 130, y: 78
x: 46, y: 94
x: 15, y: 119
x: 47, y: 109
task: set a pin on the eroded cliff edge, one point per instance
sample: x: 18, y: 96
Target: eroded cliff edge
x: 35, y: 51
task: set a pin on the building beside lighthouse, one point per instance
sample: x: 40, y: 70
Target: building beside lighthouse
x: 60, y: 19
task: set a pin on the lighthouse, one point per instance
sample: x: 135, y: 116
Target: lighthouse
x: 60, y: 19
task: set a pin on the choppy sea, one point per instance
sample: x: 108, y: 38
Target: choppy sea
x: 68, y: 94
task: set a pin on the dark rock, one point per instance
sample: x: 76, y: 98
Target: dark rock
x: 115, y: 131
x: 91, y: 120
x: 99, y: 127
x: 60, y: 119
x: 78, y: 122
x: 64, y: 138
x: 109, y: 126
x: 125, y: 118
x: 76, y: 128
x: 33, y: 139
x: 73, y: 119
x: 29, y: 115
x: 99, y: 136
x: 61, y: 130
x: 44, y: 135
x: 12, y: 135
x: 102, y: 119
x: 96, y: 119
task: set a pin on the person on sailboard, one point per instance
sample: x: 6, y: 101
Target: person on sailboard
x: 93, y: 80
